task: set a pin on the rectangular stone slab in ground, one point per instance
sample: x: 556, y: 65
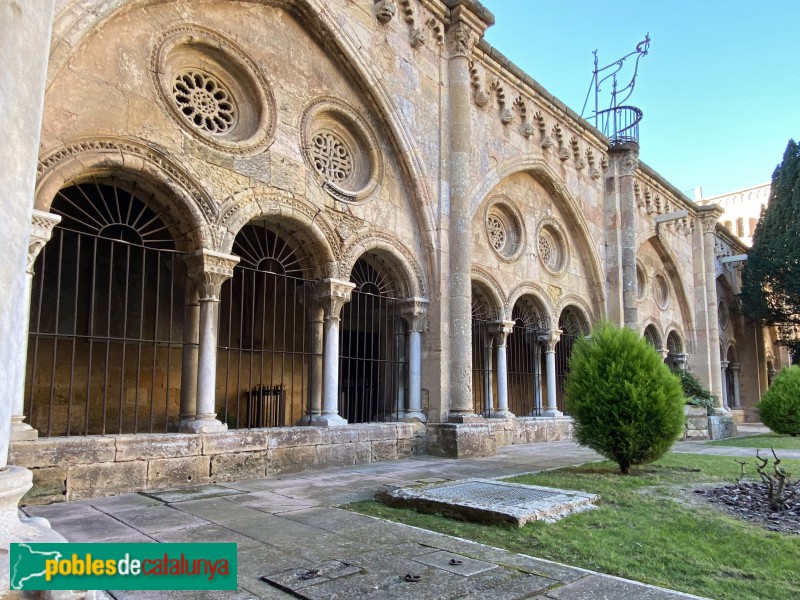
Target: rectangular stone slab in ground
x: 489, y: 501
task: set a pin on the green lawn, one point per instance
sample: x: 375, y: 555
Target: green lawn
x: 650, y: 528
x: 762, y: 440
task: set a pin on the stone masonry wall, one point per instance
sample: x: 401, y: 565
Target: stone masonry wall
x: 72, y: 468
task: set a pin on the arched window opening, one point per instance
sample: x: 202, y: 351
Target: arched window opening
x: 675, y: 348
x: 572, y: 326
x: 652, y: 337
x: 483, y: 385
x: 264, y: 350
x: 525, y: 358
x: 372, y: 351
x: 106, y: 321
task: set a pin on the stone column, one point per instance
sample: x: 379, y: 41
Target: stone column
x: 737, y: 400
x: 414, y: 311
x: 316, y: 319
x: 664, y: 353
x: 626, y: 158
x: 680, y: 360
x: 208, y: 270
x: 25, y: 44
x: 500, y: 330
x: 550, y: 340
x: 488, y: 367
x: 41, y: 231
x: 332, y: 294
x: 708, y: 219
x: 723, y: 364
x: 191, y: 342
x: 465, y: 29
x: 537, y: 356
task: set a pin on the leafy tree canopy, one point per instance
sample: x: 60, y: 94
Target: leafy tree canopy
x: 771, y: 278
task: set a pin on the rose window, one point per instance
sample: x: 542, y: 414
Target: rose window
x: 551, y: 247
x: 331, y: 157
x: 497, y: 232
x: 204, y: 102
x: 661, y: 291
x: 545, y: 250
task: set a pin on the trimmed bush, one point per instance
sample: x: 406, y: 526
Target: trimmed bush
x: 625, y: 402
x: 780, y: 406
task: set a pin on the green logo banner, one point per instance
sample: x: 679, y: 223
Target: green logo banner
x: 123, y: 566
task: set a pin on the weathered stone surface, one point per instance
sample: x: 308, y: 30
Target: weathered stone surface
x: 461, y: 440
x: 290, y: 437
x: 147, y: 446
x: 238, y: 440
x: 243, y: 465
x: 61, y: 451
x: 338, y: 435
x: 168, y: 472
x: 291, y: 459
x: 332, y: 456
x: 363, y: 452
x: 91, y: 481
x: 377, y: 432
x: 384, y: 451
x: 721, y: 427
x: 49, y: 485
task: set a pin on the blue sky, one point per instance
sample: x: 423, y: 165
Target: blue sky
x: 720, y: 87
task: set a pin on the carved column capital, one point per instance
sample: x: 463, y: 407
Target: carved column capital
x: 550, y: 339
x: 735, y: 368
x: 724, y: 364
x: 680, y: 360
x: 709, y: 215
x: 414, y: 311
x: 333, y: 294
x: 461, y: 39
x: 208, y: 270
x: 42, y: 224
x: 500, y: 330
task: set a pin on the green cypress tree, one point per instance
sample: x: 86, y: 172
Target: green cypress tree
x: 771, y: 277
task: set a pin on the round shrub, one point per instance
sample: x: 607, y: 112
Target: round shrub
x: 780, y: 406
x: 625, y: 402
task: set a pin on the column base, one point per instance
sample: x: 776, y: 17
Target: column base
x: 552, y: 413
x: 461, y: 440
x: 329, y: 420
x: 14, y: 484
x: 501, y: 414
x: 410, y: 416
x: 21, y: 431
x: 308, y: 419
x: 464, y: 417
x: 204, y: 426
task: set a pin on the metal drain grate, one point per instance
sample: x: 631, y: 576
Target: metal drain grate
x: 491, y: 494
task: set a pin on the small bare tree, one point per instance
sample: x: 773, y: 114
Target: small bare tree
x: 779, y: 487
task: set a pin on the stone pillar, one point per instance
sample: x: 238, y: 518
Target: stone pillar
x: 680, y: 360
x: 664, y: 353
x: 500, y: 330
x: 723, y: 364
x: 191, y: 342
x: 708, y: 219
x: 414, y: 311
x: 550, y: 340
x: 316, y: 320
x: 626, y: 160
x: 25, y: 44
x: 41, y: 231
x: 537, y: 356
x: 465, y: 29
x: 737, y: 400
x: 208, y: 270
x: 332, y: 294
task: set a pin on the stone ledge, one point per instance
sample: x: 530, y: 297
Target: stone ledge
x: 159, y: 445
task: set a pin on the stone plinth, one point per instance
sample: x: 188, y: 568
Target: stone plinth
x: 461, y: 440
x: 721, y: 427
x: 696, y: 424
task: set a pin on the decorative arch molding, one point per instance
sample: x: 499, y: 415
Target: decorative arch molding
x: 76, y: 21
x: 271, y: 204
x: 413, y: 284
x: 655, y: 324
x: 530, y: 289
x: 579, y: 304
x: 493, y: 290
x: 676, y: 329
x: 731, y: 346
x: 194, y: 209
x: 670, y: 262
x: 551, y: 180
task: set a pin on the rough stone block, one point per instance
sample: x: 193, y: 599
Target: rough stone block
x: 243, y: 465
x: 290, y: 437
x: 335, y: 455
x: 721, y: 427
x: 419, y: 430
x: 384, y: 451
x: 174, y: 472
x: 49, y: 485
x: 461, y: 440
x: 405, y: 448
x: 229, y: 442
x: 363, y: 452
x: 106, y: 479
x: 148, y: 446
x: 404, y: 430
x: 291, y: 460
x: 338, y: 435
x: 59, y: 452
x: 377, y: 432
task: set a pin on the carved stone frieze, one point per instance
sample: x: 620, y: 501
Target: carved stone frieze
x: 42, y: 224
x: 209, y: 270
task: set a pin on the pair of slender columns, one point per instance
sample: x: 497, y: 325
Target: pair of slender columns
x: 730, y: 398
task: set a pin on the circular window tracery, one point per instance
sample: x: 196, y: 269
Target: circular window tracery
x: 204, y: 101
x: 552, y: 248
x: 332, y: 159
x: 504, y: 228
x: 722, y: 315
x: 661, y: 290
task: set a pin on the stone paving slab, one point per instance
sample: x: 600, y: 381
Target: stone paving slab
x: 193, y: 493
x: 455, y: 563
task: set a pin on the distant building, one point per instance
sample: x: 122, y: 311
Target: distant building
x: 742, y: 209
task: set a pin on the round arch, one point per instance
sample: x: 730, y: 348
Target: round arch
x: 537, y: 294
x: 491, y: 289
x: 675, y: 340
x: 397, y: 257
x: 572, y: 321
x: 652, y: 332
x: 580, y: 305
